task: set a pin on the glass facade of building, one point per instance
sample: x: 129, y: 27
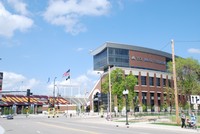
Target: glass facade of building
x: 100, y: 60
x: 111, y: 56
x: 118, y: 57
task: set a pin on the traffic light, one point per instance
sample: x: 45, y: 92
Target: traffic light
x: 28, y: 92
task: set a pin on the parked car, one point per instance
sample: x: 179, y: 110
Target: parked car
x: 3, y: 116
x: 10, y: 117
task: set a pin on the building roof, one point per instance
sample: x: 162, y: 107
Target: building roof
x: 9, y: 100
x: 130, y: 47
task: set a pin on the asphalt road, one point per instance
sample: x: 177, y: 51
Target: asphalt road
x: 94, y: 125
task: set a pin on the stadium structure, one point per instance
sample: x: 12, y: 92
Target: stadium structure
x: 148, y: 65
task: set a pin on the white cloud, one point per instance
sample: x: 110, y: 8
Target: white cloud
x: 18, y: 82
x: 194, y: 50
x: 79, y: 49
x: 68, y: 13
x: 94, y: 73
x: 12, y: 81
x: 19, y: 6
x: 11, y: 22
x: 81, y: 84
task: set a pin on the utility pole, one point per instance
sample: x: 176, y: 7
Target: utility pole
x: 110, y: 90
x: 175, y: 83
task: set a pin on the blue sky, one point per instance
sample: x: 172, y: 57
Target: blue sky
x: 44, y: 38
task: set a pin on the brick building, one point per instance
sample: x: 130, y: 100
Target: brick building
x: 148, y: 65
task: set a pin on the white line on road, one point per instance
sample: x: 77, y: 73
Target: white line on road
x: 1, y: 130
x: 67, y: 128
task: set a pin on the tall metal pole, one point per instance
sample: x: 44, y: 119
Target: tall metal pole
x: 110, y: 91
x: 125, y: 93
x: 54, y: 85
x: 175, y: 83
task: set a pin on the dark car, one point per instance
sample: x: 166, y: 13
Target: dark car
x: 9, y: 117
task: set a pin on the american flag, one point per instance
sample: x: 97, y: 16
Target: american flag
x: 67, y: 74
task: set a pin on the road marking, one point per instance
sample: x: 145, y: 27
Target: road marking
x: 38, y: 132
x: 1, y: 130
x: 67, y: 128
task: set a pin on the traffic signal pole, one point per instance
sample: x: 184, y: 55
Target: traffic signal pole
x: 28, y: 93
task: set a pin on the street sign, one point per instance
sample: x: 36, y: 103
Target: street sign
x: 195, y: 99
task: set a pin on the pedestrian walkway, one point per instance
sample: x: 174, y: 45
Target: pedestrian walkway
x: 145, y: 125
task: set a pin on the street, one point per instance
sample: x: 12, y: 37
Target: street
x: 93, y: 125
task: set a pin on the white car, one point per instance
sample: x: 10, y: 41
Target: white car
x: 3, y: 116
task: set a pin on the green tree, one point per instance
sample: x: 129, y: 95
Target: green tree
x: 188, y: 75
x: 119, y: 83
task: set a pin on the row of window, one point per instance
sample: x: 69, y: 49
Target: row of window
x: 151, y: 81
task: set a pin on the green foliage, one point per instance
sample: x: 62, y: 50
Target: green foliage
x: 119, y: 83
x: 144, y: 108
x: 186, y: 106
x: 7, y: 110
x: 165, y: 105
x: 188, y: 75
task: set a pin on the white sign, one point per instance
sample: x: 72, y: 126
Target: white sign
x: 116, y: 109
x: 125, y: 91
x: 195, y: 99
x: 195, y: 106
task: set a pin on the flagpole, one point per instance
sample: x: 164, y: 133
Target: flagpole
x: 70, y: 86
x: 70, y: 91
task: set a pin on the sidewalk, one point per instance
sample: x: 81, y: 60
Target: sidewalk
x: 145, y: 125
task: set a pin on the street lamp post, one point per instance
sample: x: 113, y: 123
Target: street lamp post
x: 125, y: 92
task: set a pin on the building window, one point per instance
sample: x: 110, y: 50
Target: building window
x: 165, y: 97
x: 159, y: 99
x: 143, y: 80
x: 144, y: 98
x: 157, y: 81
x: 151, y: 81
x: 152, y: 96
x: 118, y: 57
x: 169, y: 82
x: 152, y: 101
x: 164, y: 82
x: 136, y: 96
x: 137, y: 79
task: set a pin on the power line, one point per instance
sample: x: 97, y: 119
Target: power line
x: 181, y: 41
x: 168, y: 43
x: 188, y: 41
